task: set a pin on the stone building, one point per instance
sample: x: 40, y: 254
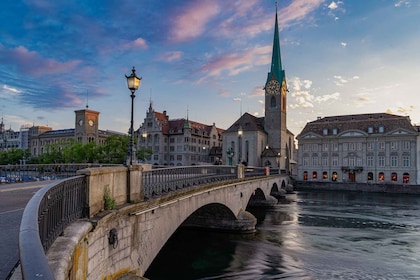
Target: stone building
x: 86, y: 130
x: 365, y: 148
x: 9, y: 139
x: 264, y: 141
x: 179, y: 142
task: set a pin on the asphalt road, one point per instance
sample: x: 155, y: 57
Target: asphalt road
x: 13, y: 199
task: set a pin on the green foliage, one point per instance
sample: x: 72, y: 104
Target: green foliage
x: 144, y: 154
x: 114, y: 151
x: 109, y: 203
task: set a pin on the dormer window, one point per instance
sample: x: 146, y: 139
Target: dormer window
x: 334, y: 131
x: 370, y: 129
x: 381, y: 129
x: 325, y: 131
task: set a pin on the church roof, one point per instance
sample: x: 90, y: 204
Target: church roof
x: 360, y: 122
x: 247, y: 122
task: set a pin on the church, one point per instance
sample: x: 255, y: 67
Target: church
x: 264, y: 141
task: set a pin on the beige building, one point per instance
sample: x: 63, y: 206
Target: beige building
x: 365, y: 148
x: 86, y: 130
x: 179, y: 142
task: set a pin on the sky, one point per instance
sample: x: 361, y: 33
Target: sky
x: 206, y: 59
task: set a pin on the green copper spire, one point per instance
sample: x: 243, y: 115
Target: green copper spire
x: 276, y: 68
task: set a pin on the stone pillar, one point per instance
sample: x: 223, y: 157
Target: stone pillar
x: 241, y: 171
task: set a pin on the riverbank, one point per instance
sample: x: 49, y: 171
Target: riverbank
x: 358, y: 187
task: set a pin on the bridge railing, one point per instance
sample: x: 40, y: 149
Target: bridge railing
x: 45, y: 217
x: 156, y: 182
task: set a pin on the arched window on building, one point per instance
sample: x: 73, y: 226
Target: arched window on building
x: 406, y: 178
x: 325, y: 175
x: 394, y: 177
x: 381, y: 177
x: 314, y: 175
x: 370, y: 176
x: 305, y: 175
x: 334, y: 176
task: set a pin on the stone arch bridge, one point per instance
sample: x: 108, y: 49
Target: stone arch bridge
x: 110, y: 243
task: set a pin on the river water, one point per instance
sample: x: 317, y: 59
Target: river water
x: 308, y: 235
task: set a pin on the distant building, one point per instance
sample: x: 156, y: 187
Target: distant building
x: 9, y: 139
x: 361, y: 148
x: 264, y: 141
x: 179, y: 142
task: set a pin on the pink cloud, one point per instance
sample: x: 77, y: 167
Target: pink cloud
x: 170, y: 56
x: 238, y: 62
x: 297, y: 10
x: 192, y: 21
x: 32, y: 63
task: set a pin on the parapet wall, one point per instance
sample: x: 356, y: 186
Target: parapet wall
x: 359, y: 187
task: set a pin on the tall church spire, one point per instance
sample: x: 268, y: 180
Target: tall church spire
x: 276, y: 67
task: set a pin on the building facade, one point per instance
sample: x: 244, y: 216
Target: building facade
x: 179, y: 142
x: 264, y: 141
x: 365, y: 148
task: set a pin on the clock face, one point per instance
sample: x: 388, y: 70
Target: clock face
x: 80, y: 122
x: 273, y: 87
x: 91, y: 122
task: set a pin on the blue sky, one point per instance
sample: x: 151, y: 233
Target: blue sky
x: 209, y: 58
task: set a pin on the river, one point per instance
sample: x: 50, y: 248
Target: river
x: 308, y: 235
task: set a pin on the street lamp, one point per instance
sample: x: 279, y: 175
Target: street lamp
x: 133, y: 83
x: 279, y: 161
x: 240, y: 132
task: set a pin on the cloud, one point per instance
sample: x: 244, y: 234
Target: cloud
x: 332, y: 6
x: 12, y: 90
x: 236, y: 63
x: 31, y: 63
x: 343, y: 44
x: 297, y: 10
x: 300, y: 91
x: 170, y: 56
x: 193, y: 19
x: 138, y: 43
x: 400, y: 3
x: 340, y: 81
x: 401, y: 110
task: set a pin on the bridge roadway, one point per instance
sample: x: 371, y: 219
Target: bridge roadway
x: 13, y: 198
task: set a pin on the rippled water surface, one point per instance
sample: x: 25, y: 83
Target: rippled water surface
x: 308, y: 235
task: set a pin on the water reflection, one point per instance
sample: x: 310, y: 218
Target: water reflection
x: 309, y: 235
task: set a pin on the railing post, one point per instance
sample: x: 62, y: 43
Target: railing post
x: 241, y: 171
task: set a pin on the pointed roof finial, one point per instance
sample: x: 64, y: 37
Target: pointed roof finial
x: 276, y: 68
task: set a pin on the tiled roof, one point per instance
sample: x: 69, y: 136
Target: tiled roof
x: 361, y: 122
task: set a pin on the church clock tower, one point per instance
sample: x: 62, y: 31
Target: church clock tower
x: 275, y: 100
x: 86, y: 126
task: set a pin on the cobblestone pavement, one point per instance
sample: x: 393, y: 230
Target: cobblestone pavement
x: 13, y: 198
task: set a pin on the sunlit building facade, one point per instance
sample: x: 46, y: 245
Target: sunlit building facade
x: 364, y: 148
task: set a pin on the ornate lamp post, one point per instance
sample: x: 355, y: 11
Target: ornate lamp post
x: 133, y: 83
x: 240, y: 133
x: 279, y: 161
x: 230, y: 153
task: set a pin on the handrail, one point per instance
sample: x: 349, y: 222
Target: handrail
x: 45, y: 217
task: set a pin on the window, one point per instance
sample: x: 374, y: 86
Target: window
x: 370, y: 129
x: 406, y: 145
x: 156, y: 157
x: 406, y: 161
x: 406, y: 178
x: 179, y: 157
x: 352, y: 161
x: 334, y: 131
x: 315, y: 147
x: 324, y: 161
x: 325, y: 175
x: 305, y: 161
x: 334, y: 176
x: 359, y: 146
x: 325, y: 147
x: 315, y: 161
x: 394, y: 161
x: 369, y: 161
x: 381, y: 161
x: 306, y: 147
x: 335, y: 147
x: 381, y: 145
x: 381, y: 129
x: 370, y: 176
x: 381, y: 177
x: 325, y: 131
x: 314, y: 175
x: 394, y: 177
x: 305, y: 175
x: 334, y: 161
x: 370, y: 145
x: 351, y: 146
x: 394, y: 145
